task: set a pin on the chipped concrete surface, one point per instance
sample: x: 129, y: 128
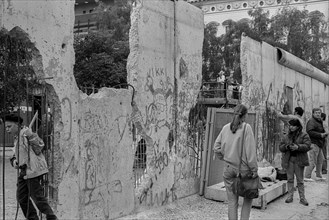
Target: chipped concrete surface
x: 269, y: 88
x: 94, y: 144
x: 165, y: 69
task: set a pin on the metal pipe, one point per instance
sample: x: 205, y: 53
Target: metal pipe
x: 288, y: 60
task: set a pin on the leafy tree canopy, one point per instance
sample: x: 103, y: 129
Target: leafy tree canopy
x: 17, y: 77
x: 301, y: 33
x: 101, y: 56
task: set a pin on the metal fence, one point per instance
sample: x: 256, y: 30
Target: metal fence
x: 22, y: 93
x: 139, y: 167
x: 221, y: 90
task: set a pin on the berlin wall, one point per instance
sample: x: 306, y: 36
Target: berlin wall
x: 164, y: 66
x: 275, y: 80
x: 94, y: 148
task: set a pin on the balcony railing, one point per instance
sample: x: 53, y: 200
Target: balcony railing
x: 84, y: 23
x: 220, y: 93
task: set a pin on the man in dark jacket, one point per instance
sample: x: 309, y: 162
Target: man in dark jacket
x: 316, y: 131
x: 294, y: 147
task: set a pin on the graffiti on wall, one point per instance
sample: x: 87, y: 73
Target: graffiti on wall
x: 101, y: 158
x: 161, y: 161
x: 150, y: 198
x: 299, y: 94
x: 183, y: 171
x: 186, y: 100
x: 159, y: 111
x: 253, y: 92
x: 159, y: 114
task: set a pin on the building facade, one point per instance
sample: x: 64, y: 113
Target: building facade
x: 85, y: 14
x: 222, y: 10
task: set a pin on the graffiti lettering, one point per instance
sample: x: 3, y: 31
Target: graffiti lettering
x: 161, y: 161
x: 183, y: 172
x: 159, y: 198
x: 157, y: 72
x: 94, y: 123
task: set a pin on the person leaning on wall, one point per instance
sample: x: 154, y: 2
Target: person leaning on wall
x: 298, y: 114
x: 315, y: 130
x: 294, y: 147
x: 228, y: 147
x: 32, y: 166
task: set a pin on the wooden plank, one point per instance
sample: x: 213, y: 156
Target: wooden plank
x: 205, y: 153
x: 272, y: 191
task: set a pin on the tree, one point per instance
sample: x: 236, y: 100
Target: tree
x: 211, y: 52
x: 301, y: 33
x: 101, y: 56
x: 17, y: 78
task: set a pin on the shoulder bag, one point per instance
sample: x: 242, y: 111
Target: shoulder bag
x: 246, y: 186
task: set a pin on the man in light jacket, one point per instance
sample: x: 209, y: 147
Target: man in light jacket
x: 31, y: 165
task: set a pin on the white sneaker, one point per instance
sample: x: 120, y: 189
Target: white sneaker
x: 308, y: 180
x: 320, y: 178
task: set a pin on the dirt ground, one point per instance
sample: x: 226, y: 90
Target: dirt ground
x: 197, y: 207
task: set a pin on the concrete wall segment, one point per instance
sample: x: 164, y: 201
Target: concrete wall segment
x: 164, y: 66
x: 189, y: 75
x: 49, y: 25
x: 106, y: 155
x: 93, y: 133
x: 307, y: 92
x: 253, y: 93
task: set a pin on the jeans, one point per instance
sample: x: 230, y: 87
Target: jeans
x: 229, y: 175
x: 316, y: 159
x: 31, y: 189
x: 298, y: 171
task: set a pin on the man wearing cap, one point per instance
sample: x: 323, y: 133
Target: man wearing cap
x: 316, y: 131
x: 32, y: 166
x: 294, y: 147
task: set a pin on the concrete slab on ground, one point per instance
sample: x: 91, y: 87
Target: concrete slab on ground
x: 271, y: 191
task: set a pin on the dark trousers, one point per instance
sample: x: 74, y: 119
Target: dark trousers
x: 31, y: 189
x: 295, y: 170
x: 324, y: 150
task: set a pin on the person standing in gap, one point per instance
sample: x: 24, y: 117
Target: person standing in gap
x: 32, y: 166
x: 316, y: 131
x: 294, y: 147
x: 227, y: 147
